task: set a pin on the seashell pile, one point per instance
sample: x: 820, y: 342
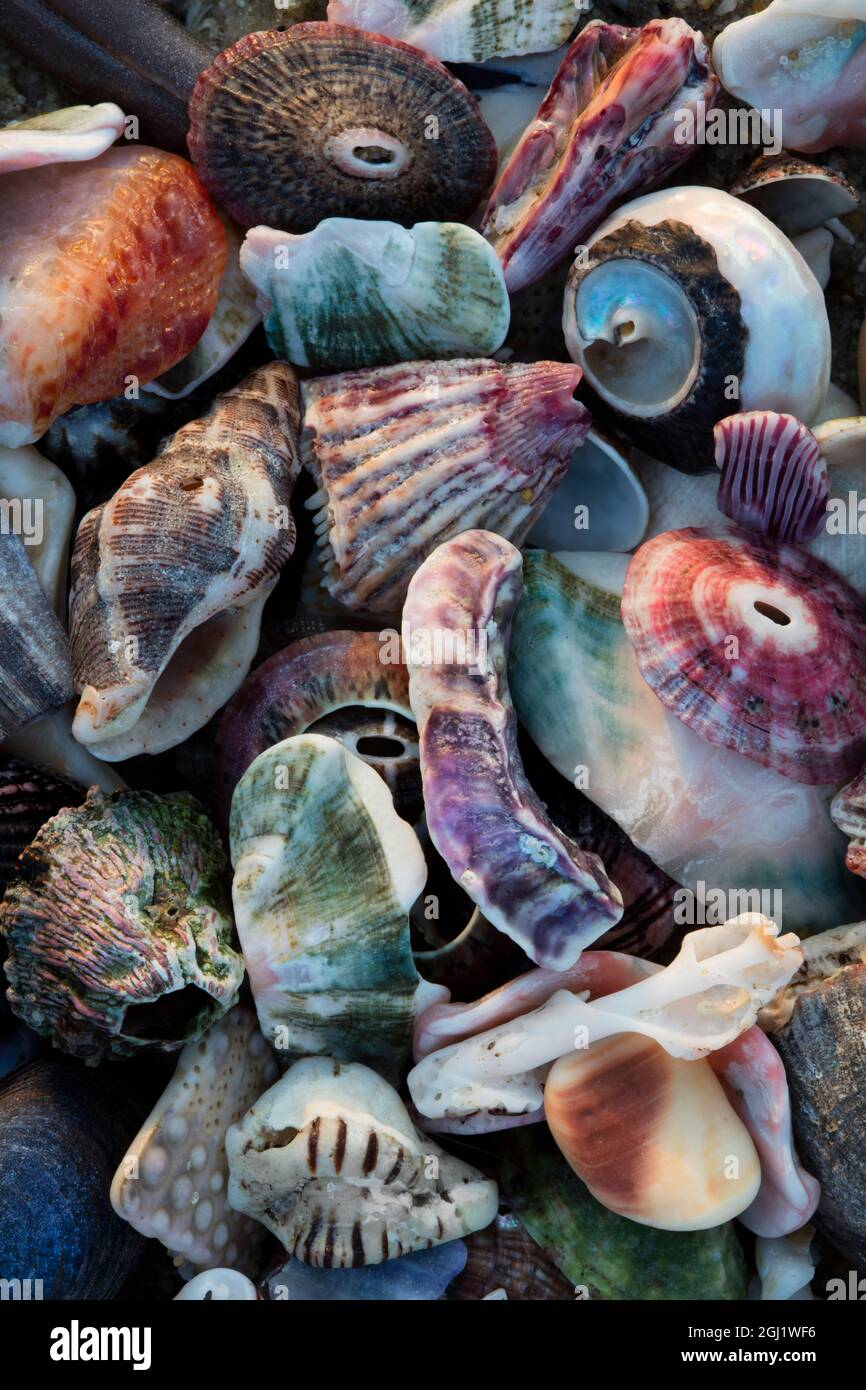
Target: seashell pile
x: 433, y: 651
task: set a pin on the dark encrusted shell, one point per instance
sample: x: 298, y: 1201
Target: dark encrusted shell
x: 118, y: 926
x: 682, y: 437
x: 822, y: 1047
x: 275, y: 121
x: 63, y: 1130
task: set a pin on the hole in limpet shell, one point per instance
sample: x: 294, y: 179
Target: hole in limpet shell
x: 373, y: 154
x: 166, y: 1018
x: 191, y: 484
x: 775, y: 615
x: 378, y: 746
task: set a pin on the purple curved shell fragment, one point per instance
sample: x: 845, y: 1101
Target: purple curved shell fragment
x: 529, y: 879
x: 773, y: 476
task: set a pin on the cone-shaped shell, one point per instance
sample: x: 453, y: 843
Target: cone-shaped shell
x: 408, y: 456
x: 325, y: 874
x: 110, y: 271
x: 529, y: 879
x: 172, y: 1181
x: 298, y: 687
x: 610, y: 125
x: 361, y: 294
x: 756, y: 646
x: 653, y: 1137
x: 329, y: 1160
x: 35, y: 670
x: 60, y: 137
x: 169, y: 578
x: 326, y: 121
x: 773, y: 476
x: 118, y: 927
x: 463, y: 31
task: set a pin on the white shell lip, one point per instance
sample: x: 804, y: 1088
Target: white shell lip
x: 599, y: 478
x: 68, y: 136
x: 220, y: 1286
x: 788, y: 352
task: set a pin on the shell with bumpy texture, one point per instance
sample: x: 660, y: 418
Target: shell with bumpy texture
x: 329, y: 1160
x: 609, y: 126
x: 169, y: 578
x: 755, y: 646
x: 328, y: 121
x: 171, y: 1183
x: 110, y: 270
x: 325, y: 874
x: 362, y: 294
x: 118, y: 927
x: 308, y: 682
x: 529, y: 880
x: 463, y: 31
x: 408, y: 456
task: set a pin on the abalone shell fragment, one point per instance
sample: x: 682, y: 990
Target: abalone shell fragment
x: 754, y: 645
x: 62, y: 1131
x: 327, y: 121
x: 408, y: 456
x: 172, y: 1181
x: 325, y: 874
x: 169, y: 578
x: 35, y: 670
x: 529, y: 879
x: 308, y: 685
x: 329, y: 1160
x: 109, y: 270
x: 118, y: 926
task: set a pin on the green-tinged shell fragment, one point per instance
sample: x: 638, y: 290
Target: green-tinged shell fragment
x: 604, y: 1255
x: 354, y: 294
x: 118, y: 926
x: 325, y: 874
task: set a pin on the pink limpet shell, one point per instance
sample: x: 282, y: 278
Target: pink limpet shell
x: 754, y: 646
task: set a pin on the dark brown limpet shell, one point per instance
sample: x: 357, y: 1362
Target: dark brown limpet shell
x: 287, y: 128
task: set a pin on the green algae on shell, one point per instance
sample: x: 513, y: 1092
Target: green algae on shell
x: 604, y: 1255
x: 363, y: 294
x: 709, y: 817
x: 325, y: 874
x: 118, y: 926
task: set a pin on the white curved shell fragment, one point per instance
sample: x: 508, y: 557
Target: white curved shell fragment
x: 330, y: 1162
x: 38, y: 503
x: 172, y: 1184
x: 702, y: 1001
x: 60, y: 137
